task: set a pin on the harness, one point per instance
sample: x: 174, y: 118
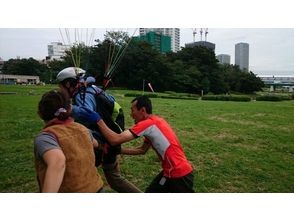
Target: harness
x: 105, y: 106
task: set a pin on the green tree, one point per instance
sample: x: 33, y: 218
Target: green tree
x: 142, y: 62
x: 29, y: 67
x: 184, y: 78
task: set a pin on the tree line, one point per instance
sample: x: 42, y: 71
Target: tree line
x: 190, y: 70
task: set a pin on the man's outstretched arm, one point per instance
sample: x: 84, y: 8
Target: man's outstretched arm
x: 136, y: 151
x: 112, y: 137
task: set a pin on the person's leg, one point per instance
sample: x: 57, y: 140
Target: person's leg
x: 116, y: 181
x: 158, y: 184
x: 181, y: 185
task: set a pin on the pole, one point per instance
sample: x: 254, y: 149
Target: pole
x: 143, y: 85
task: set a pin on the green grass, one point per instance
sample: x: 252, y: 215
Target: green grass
x: 234, y: 146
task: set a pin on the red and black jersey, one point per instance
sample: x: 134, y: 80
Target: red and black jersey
x: 166, y: 144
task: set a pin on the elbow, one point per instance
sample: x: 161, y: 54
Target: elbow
x: 115, y: 139
x: 60, y: 164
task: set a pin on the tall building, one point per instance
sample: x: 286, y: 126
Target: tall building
x: 224, y: 58
x: 173, y: 33
x: 206, y: 44
x: 242, y: 56
x: 1, y: 64
x: 159, y: 42
x: 56, y: 50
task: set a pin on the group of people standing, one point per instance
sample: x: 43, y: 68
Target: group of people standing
x: 84, y: 128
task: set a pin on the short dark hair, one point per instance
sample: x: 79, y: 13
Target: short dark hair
x: 51, y: 102
x: 143, y: 101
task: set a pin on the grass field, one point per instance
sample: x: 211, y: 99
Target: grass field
x: 234, y: 146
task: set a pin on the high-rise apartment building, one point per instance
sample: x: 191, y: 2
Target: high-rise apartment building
x: 173, y: 33
x: 1, y: 64
x: 56, y: 50
x: 206, y: 44
x: 159, y: 42
x: 242, y: 56
x: 224, y: 58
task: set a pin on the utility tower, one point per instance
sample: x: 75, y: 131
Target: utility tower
x: 194, y: 33
x: 201, y: 32
x: 206, y: 33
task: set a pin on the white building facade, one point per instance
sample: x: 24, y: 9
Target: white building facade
x: 56, y: 50
x: 224, y: 58
x: 242, y: 56
x: 174, y: 33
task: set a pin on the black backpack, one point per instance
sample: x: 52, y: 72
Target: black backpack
x: 105, y: 107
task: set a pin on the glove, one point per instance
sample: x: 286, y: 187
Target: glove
x: 88, y: 115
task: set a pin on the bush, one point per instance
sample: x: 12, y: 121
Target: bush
x: 227, y: 98
x: 150, y: 95
x: 174, y: 96
x: 272, y: 98
x: 179, y: 97
x: 287, y: 97
x: 170, y: 92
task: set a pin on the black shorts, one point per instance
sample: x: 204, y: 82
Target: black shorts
x: 162, y: 184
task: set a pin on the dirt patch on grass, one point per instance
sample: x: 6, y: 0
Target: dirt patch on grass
x: 238, y: 121
x: 225, y: 135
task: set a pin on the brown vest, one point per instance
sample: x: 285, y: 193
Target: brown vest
x: 80, y: 172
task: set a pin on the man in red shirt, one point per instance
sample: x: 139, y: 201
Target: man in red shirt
x: 177, y: 173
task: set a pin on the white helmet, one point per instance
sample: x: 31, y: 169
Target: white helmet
x: 70, y: 72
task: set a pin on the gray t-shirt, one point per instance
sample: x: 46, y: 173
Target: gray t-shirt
x: 43, y: 142
x: 46, y: 141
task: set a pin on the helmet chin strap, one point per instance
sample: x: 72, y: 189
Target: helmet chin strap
x: 67, y: 86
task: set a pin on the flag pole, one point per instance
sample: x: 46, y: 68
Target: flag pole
x: 143, y: 85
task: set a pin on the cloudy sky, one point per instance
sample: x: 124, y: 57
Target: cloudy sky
x: 270, y: 49
x: 268, y: 30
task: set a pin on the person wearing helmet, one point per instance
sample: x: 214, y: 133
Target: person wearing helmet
x: 95, y: 99
x: 68, y: 78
